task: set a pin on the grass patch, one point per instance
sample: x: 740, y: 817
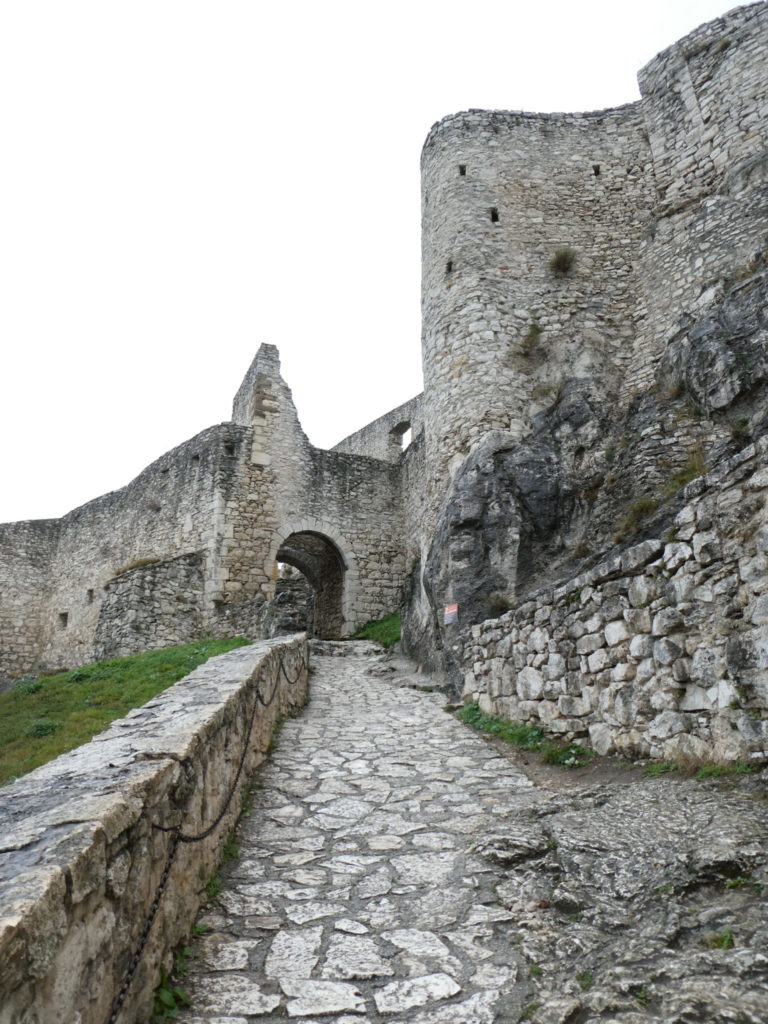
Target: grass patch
x: 527, y: 737
x: 637, y: 512
x: 653, y: 771
x: 722, y: 941
x: 385, y: 632
x: 714, y: 771
x: 43, y: 718
x: 695, y: 467
x: 585, y: 980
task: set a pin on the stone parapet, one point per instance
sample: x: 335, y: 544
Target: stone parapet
x: 84, y: 847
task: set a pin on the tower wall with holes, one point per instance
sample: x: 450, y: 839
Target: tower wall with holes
x: 530, y: 227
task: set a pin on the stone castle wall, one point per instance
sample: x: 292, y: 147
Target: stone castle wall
x: 383, y: 438
x: 704, y: 104
x: 661, y: 650
x: 502, y: 193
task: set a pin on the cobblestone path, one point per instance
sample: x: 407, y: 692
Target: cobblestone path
x: 357, y: 896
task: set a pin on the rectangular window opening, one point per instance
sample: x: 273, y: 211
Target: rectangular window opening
x: 596, y: 169
x: 462, y: 170
x: 89, y: 595
x: 449, y: 267
x: 494, y: 215
x: 63, y: 620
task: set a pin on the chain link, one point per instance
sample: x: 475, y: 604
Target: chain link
x: 178, y: 837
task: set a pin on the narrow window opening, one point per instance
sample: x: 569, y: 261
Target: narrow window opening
x: 63, y: 620
x: 494, y: 215
x: 449, y: 267
x: 406, y: 438
x: 89, y: 595
x: 229, y: 449
x: 596, y: 169
x: 462, y: 170
x: 195, y: 458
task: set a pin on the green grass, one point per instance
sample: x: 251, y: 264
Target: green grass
x: 714, y: 771
x: 42, y: 718
x: 385, y: 632
x: 653, y: 771
x: 529, y: 737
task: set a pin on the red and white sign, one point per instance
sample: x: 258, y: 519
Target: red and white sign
x: 450, y: 614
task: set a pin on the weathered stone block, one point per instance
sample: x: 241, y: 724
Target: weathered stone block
x: 665, y: 651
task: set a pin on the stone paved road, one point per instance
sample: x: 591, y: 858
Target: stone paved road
x: 357, y: 896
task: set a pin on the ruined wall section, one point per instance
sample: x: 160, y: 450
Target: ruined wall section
x: 502, y: 192
x: 171, y: 509
x: 27, y: 552
x: 661, y: 650
x: 289, y: 486
x: 156, y: 605
x: 705, y: 103
x: 383, y: 438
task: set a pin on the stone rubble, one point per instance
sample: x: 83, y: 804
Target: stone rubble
x: 398, y: 867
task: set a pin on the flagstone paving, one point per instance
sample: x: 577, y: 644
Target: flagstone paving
x: 357, y: 896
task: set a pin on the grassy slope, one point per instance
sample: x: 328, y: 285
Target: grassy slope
x: 46, y: 717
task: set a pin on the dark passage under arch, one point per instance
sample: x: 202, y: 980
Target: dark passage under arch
x: 318, y: 558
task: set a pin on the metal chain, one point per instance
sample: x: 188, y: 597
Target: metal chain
x: 178, y: 837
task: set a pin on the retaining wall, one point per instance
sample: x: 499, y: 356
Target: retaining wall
x: 660, y: 650
x: 81, y: 858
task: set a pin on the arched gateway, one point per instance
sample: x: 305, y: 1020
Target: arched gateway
x: 321, y: 562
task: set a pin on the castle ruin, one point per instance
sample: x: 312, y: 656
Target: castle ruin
x: 587, y: 475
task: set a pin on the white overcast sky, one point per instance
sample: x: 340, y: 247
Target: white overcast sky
x: 182, y: 180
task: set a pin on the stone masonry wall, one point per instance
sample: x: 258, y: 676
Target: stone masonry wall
x: 170, y: 509
x: 383, y: 438
x: 81, y: 858
x: 151, y: 606
x: 704, y: 104
x: 661, y: 650
x: 26, y: 556
x: 502, y: 193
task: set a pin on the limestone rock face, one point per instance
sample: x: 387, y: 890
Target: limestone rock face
x: 723, y: 354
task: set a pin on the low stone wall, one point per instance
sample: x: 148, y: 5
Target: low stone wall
x: 661, y: 650
x: 82, y: 851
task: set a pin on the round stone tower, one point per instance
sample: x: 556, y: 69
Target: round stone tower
x: 530, y: 224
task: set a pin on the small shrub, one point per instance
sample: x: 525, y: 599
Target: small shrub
x: 531, y: 338
x: 536, y: 971
x: 740, y: 430
x: 168, y: 998
x: 642, y: 996
x: 585, y: 980
x: 653, y: 771
x: 570, y: 756
x: 692, y: 469
x: 722, y: 941
x: 42, y: 727
x: 562, y: 262
x: 637, y: 512
x: 498, y: 604
x: 610, y: 455
x: 213, y: 887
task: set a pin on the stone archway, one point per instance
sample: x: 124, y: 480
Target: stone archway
x: 321, y: 562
